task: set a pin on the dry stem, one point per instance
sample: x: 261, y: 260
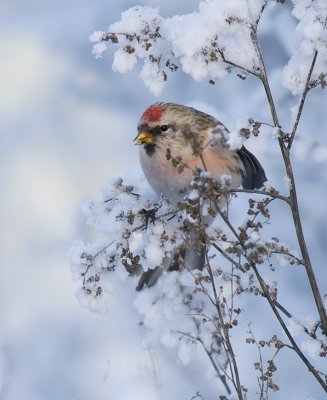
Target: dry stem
x: 293, y: 202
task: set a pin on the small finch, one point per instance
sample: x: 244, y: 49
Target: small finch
x: 175, y: 140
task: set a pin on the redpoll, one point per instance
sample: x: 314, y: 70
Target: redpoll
x: 171, y: 136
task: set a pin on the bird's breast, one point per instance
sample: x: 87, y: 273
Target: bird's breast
x: 164, y: 176
x: 171, y: 175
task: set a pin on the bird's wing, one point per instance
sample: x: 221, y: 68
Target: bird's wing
x: 254, y: 176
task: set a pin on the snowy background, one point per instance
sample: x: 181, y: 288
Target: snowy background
x: 67, y: 122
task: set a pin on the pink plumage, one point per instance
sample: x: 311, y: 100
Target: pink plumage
x: 171, y: 136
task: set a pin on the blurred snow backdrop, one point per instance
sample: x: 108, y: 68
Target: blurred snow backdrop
x: 67, y: 122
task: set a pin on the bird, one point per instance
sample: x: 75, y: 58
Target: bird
x: 174, y: 140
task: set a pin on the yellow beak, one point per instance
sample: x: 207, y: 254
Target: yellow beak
x: 144, y: 138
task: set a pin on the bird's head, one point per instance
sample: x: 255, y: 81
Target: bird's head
x: 157, y: 127
x: 173, y: 126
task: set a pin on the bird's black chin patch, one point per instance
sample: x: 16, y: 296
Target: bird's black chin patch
x: 149, y: 149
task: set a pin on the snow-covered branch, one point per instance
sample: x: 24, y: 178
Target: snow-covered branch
x: 204, y: 44
x: 138, y: 234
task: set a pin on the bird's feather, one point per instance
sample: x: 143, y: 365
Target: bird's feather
x: 254, y: 175
x: 192, y: 140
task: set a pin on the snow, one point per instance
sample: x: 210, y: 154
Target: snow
x: 123, y: 62
x: 138, y: 22
x: 186, y: 352
x: 235, y: 140
x: 136, y: 241
x: 99, y: 49
x: 312, y: 348
x: 201, y: 41
x: 275, y: 133
x: 312, y: 36
x: 287, y: 182
x: 294, y: 327
x: 135, y: 19
x: 77, y: 120
x: 94, y: 304
x: 193, y: 195
x: 175, y: 314
x: 96, y: 36
x: 153, y: 78
x: 206, y: 44
x: 153, y: 251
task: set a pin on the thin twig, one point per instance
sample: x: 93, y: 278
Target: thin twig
x: 143, y: 226
x: 261, y: 382
x: 304, y: 95
x: 228, y: 223
x: 304, y: 250
x: 233, y: 364
x: 297, y: 260
x: 198, y: 395
x: 231, y: 63
x: 264, y: 123
x: 261, y: 12
x: 262, y: 192
x: 287, y: 332
x: 277, y: 304
x: 273, y: 306
x: 293, y: 202
x: 228, y: 257
x: 222, y: 377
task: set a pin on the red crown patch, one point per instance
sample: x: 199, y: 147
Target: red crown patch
x: 152, y: 114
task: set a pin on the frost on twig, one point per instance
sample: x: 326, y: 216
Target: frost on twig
x: 312, y: 34
x: 204, y: 44
x: 137, y: 232
x: 202, y: 312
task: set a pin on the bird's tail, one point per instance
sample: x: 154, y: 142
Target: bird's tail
x: 254, y: 176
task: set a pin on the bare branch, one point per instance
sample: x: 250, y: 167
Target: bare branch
x: 304, y: 95
x: 232, y: 64
x: 221, y: 376
x: 304, y: 250
x: 293, y: 195
x: 272, y: 304
x: 156, y: 218
x: 287, y: 332
x: 262, y: 192
x: 228, y: 257
x: 230, y: 351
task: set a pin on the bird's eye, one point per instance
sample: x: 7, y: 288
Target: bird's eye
x: 164, y: 128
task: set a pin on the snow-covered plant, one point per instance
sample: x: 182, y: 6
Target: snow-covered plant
x: 208, y: 311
